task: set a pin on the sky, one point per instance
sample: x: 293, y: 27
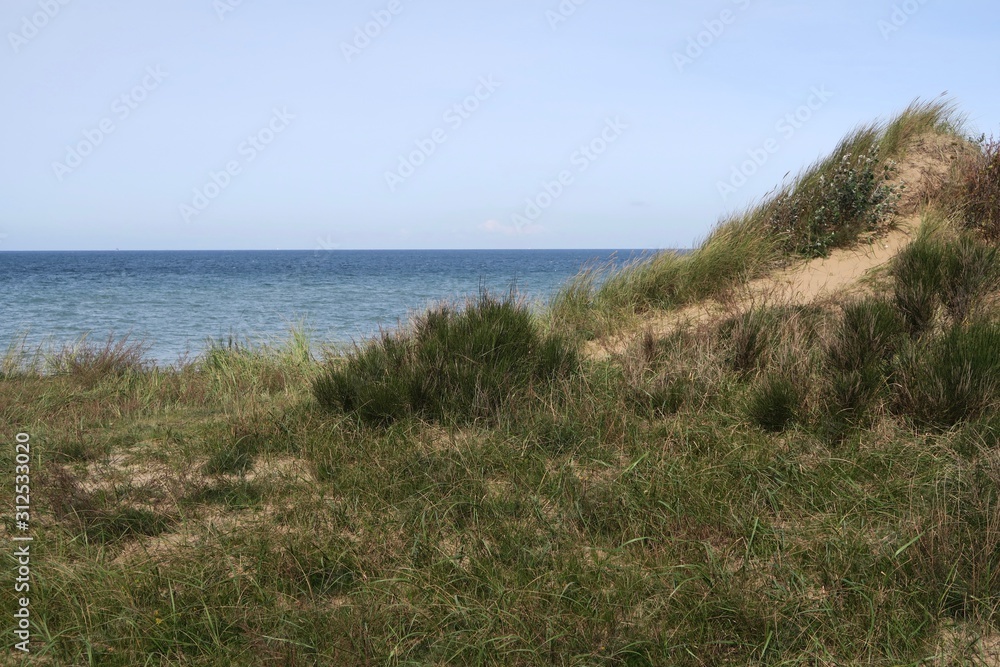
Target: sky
x: 301, y: 124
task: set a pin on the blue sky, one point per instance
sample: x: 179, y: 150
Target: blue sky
x: 211, y: 124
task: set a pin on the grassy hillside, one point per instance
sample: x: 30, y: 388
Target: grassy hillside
x: 791, y: 484
x: 849, y: 193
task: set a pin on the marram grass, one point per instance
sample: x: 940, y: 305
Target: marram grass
x: 827, y: 205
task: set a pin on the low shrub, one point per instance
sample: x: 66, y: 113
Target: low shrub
x: 980, y: 186
x: 842, y: 199
x: 451, y: 365
x: 952, y: 378
x: 869, y: 333
x: 746, y: 339
x: 774, y: 403
x: 857, y: 358
x: 853, y: 393
x: 374, y: 383
x: 970, y: 270
x: 918, y: 279
x: 956, y: 274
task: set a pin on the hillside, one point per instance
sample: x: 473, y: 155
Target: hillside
x: 779, y: 449
x: 924, y: 168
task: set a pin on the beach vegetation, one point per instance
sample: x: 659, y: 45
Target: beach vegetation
x: 761, y: 483
x: 830, y: 204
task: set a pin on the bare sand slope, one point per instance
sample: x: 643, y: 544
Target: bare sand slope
x: 924, y: 168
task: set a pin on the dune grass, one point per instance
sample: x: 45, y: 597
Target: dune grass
x: 456, y: 365
x: 976, y: 192
x: 686, y: 502
x: 602, y: 298
x: 826, y: 206
x: 569, y: 544
x: 792, y: 485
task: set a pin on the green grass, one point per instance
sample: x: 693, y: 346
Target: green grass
x: 828, y: 205
x: 978, y: 189
x: 661, y: 507
x: 456, y: 365
x: 558, y: 535
x: 748, y: 337
x: 918, y: 282
x: 952, y: 378
x: 941, y: 272
x: 793, y: 485
x: 600, y: 299
x: 970, y: 270
x: 858, y: 359
x: 774, y: 403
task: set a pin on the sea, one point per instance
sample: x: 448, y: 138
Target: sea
x: 179, y: 303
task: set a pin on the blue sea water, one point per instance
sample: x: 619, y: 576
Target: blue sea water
x: 176, y: 301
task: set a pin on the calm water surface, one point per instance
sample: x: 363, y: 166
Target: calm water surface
x: 178, y: 300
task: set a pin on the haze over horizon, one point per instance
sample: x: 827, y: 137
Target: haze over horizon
x: 247, y: 124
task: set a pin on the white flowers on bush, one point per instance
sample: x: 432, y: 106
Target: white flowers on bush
x: 854, y: 198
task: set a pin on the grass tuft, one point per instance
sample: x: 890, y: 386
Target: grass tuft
x: 918, y: 279
x: 859, y: 355
x: 747, y: 338
x: 979, y: 183
x: 970, y: 271
x: 774, y: 403
x: 457, y: 365
x: 956, y: 273
x: 952, y: 378
x: 92, y: 363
